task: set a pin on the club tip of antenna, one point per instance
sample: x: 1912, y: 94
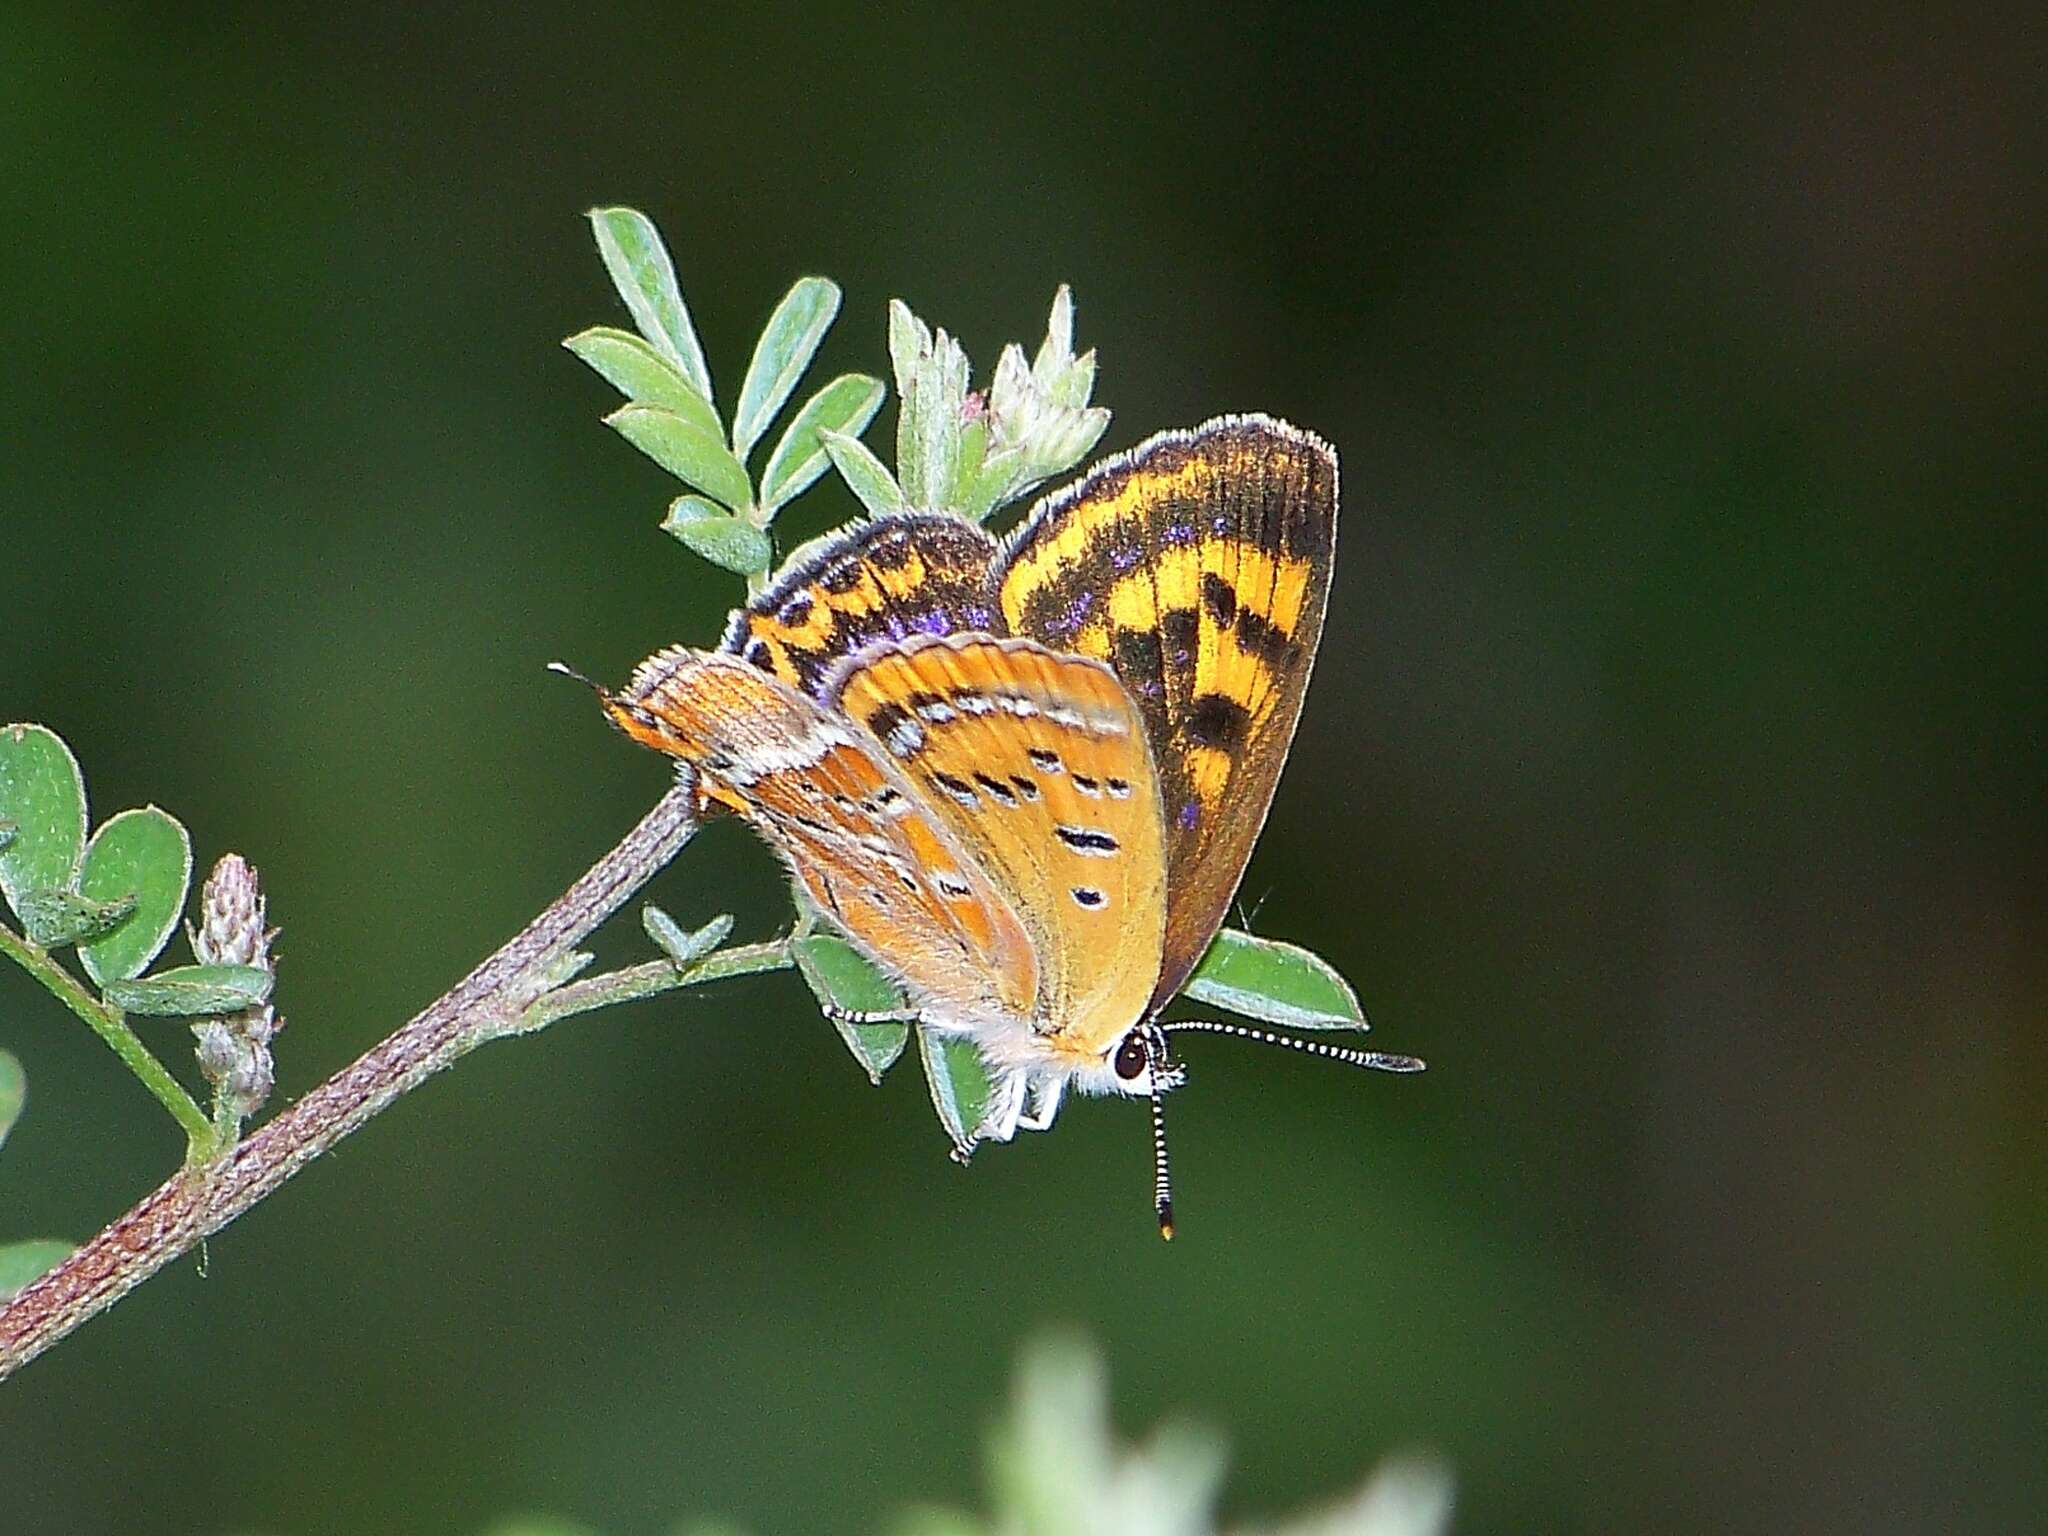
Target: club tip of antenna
x: 1166, y: 1222
x: 563, y: 668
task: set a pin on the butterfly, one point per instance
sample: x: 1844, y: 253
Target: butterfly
x: 1023, y: 774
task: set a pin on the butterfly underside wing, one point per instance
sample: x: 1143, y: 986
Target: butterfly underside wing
x: 1039, y: 764
x: 1198, y: 567
x: 855, y: 830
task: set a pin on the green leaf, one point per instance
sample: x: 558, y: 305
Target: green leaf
x: 844, y: 406
x: 43, y: 794
x: 731, y: 543
x: 540, y: 1525
x: 683, y: 948
x: 910, y: 340
x: 55, y: 916
x: 788, y: 343
x: 640, y: 373
x: 646, y: 279
x: 22, y: 1262
x: 1279, y: 983
x: 959, y: 1085
x: 843, y: 979
x: 13, y: 1092
x: 931, y: 399
x: 189, y: 990
x: 867, y: 476
x: 692, y: 455
x: 146, y: 855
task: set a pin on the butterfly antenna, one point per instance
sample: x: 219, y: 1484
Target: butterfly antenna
x: 1162, y: 1175
x: 568, y: 671
x: 1378, y: 1061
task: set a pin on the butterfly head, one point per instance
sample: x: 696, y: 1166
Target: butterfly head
x: 1137, y: 1066
x: 1140, y: 1068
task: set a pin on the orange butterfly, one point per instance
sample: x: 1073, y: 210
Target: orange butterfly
x: 1024, y: 775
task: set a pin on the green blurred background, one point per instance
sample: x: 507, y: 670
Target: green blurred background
x: 1673, y: 777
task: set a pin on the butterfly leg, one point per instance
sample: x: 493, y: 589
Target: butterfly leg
x: 1043, y: 1104
x: 1006, y: 1106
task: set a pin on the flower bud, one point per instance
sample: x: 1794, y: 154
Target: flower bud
x: 234, y: 1051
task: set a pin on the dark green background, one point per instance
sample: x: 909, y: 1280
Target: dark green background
x: 1672, y: 780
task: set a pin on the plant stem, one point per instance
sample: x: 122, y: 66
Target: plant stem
x: 490, y: 1002
x: 111, y: 1025
x: 649, y: 980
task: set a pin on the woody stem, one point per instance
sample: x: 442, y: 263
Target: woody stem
x: 493, y: 1000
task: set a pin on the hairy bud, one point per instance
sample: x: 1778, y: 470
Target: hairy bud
x: 234, y: 1051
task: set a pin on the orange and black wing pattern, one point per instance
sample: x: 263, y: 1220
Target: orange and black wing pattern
x: 1198, y: 566
x: 868, y: 845
x: 1040, y: 764
x: 890, y: 579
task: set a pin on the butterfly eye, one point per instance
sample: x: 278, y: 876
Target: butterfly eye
x: 1132, y: 1058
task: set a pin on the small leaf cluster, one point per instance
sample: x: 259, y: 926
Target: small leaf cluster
x: 672, y: 415
x: 958, y: 449
x: 970, y: 453
x: 114, y: 898
x: 1057, y: 1468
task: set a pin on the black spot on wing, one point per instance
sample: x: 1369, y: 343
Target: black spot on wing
x: 1217, y: 720
x: 1255, y: 633
x: 1086, y: 839
x: 1265, y: 639
x: 996, y: 789
x: 886, y: 718
x: 959, y: 789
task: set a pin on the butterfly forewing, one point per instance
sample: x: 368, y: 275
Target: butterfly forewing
x: 871, y: 852
x: 1198, y: 567
x: 1040, y: 763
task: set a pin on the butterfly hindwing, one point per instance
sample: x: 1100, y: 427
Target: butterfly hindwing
x: 1039, y: 763
x: 917, y: 573
x: 1198, y: 567
x: 870, y: 850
